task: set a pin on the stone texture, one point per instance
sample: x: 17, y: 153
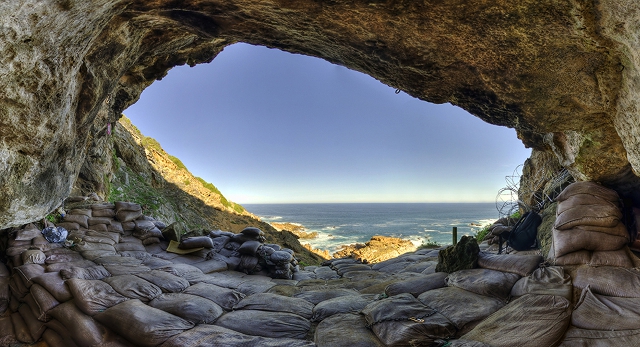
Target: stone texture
x: 564, y: 74
x: 462, y: 256
x: 379, y: 248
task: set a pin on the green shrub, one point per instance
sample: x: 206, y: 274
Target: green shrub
x: 482, y: 233
x: 177, y: 161
x: 215, y: 190
x: 238, y: 208
x: 429, y: 243
x: 151, y: 143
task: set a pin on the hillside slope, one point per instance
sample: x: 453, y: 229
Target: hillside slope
x: 124, y: 165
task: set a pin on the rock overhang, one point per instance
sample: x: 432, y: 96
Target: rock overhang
x: 564, y: 75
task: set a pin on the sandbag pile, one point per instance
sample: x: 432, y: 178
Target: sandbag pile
x: 588, y: 228
x: 246, y: 252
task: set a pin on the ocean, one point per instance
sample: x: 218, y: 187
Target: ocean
x: 348, y: 223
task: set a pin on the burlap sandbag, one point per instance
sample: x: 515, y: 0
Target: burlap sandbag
x: 212, y: 265
x: 117, y: 260
x: 36, y: 327
x: 141, y: 324
x: 491, y: 283
x: 93, y: 296
x: 27, y: 272
x: 317, y: 296
x: 80, y: 219
x: 463, y: 308
x: 345, y: 330
x: 599, y: 312
x: 584, y: 200
x: 127, y: 216
x: 195, y: 242
x: 550, y: 280
x: 466, y: 343
x: 129, y: 246
x: 418, y: 285
x: 590, y: 188
x: 343, y: 304
x: 611, y: 281
x: 576, y: 337
x: 266, y: 324
x: 531, y: 320
x: 43, y: 300
x: 252, y: 287
x: 167, y: 282
x: 225, y: 297
x: 215, y: 336
x: 99, y: 239
x: 29, y: 232
x: 573, y: 258
x: 81, y: 328
x: 133, y: 287
x: 54, y: 284
x: 20, y: 328
x: 33, y: 256
x: 180, y: 270
x: 522, y: 265
x: 275, y: 303
x: 403, y: 320
x: 8, y: 337
x: 585, y: 238
x: 192, y: 308
x: 93, y: 255
x: 97, y: 272
x: 619, y: 258
x: 92, y: 246
x: 593, y: 215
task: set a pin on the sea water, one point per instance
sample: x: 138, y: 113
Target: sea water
x: 348, y: 223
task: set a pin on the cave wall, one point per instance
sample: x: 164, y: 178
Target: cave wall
x: 564, y: 74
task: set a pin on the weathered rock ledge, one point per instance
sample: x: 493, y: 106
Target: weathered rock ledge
x: 565, y: 75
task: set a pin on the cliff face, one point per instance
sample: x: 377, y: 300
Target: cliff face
x: 564, y: 74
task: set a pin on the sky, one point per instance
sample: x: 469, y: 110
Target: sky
x: 267, y: 126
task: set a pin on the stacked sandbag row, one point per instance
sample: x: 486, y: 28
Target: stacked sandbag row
x: 499, y: 227
x: 246, y: 252
x: 588, y: 228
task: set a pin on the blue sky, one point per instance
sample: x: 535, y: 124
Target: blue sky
x: 266, y: 126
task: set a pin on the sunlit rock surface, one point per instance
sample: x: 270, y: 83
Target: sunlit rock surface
x: 564, y: 74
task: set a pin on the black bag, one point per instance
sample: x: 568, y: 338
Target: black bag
x: 524, y: 234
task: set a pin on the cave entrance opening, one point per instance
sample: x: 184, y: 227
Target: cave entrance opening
x: 266, y: 126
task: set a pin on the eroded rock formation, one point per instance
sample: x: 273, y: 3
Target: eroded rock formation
x: 563, y: 74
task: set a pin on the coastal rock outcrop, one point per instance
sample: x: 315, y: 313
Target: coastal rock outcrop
x: 565, y: 75
x: 379, y: 248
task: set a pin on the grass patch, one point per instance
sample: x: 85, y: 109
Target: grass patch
x: 429, y: 243
x: 482, y: 233
x: 178, y: 162
x: 215, y: 190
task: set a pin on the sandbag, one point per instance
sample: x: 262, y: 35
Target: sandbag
x: 573, y: 258
x: 342, y: 304
x: 167, y: 282
x: 33, y: 256
x: 20, y: 328
x: 215, y: 336
x: 97, y: 272
x: 583, y: 200
x: 53, y: 283
x: 466, y: 343
x: 266, y: 324
x: 418, y: 285
x: 192, y: 308
x: 345, y: 330
x: 522, y: 265
x: 591, y: 188
x: 99, y: 239
x: 598, y: 312
x: 592, y: 215
x: 36, y: 327
x: 27, y: 272
x: 56, y: 267
x: 550, y: 280
x: 576, y: 337
x: 275, y: 303
x: 93, y: 255
x: 64, y: 258
x: 611, y: 281
x: 126, y: 206
x: 180, y: 269
x: 618, y: 258
x: 93, y: 296
x: 82, y: 329
x: 129, y: 246
x: 249, y: 248
x: 211, y: 265
x: 225, y: 297
x: 43, y: 300
x: 195, y: 242
x: 117, y: 260
x: 141, y: 324
x: 495, y: 284
x: 80, y: 219
x: 29, y: 232
x: 463, y: 308
x: 133, y: 287
x: 104, y: 212
x: 317, y: 296
x: 155, y: 262
x: 117, y: 270
x: 583, y: 237
x: 128, y: 216
x: 532, y: 320
x: 8, y: 337
x: 252, y: 287
x: 402, y: 320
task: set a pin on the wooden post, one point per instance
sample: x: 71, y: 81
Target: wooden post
x: 455, y: 235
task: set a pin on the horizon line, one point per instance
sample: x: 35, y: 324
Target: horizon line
x: 366, y: 202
